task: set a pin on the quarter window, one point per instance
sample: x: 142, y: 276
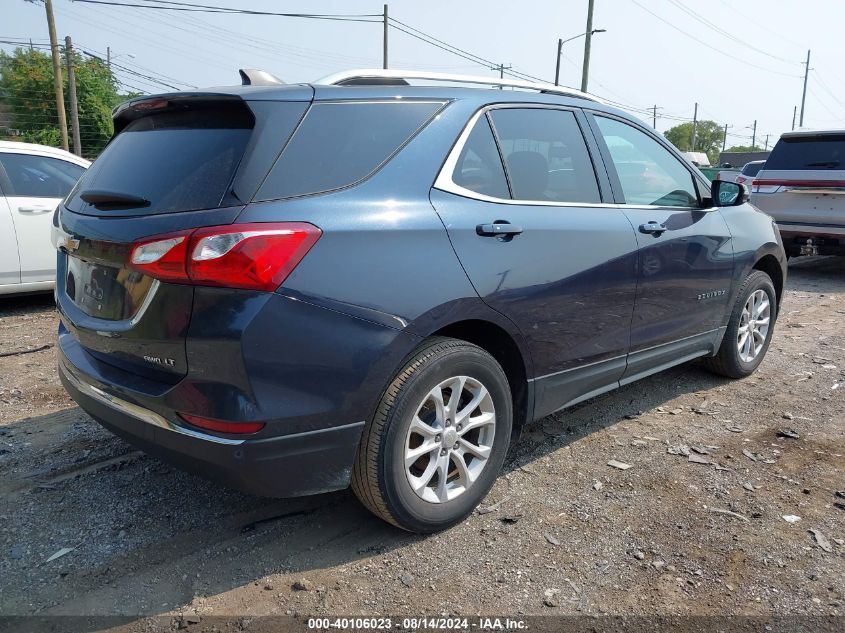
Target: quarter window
x: 339, y: 143
x: 38, y: 176
x: 648, y: 172
x: 545, y: 155
x: 479, y: 167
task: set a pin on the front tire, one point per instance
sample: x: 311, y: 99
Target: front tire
x: 438, y: 438
x: 749, y: 330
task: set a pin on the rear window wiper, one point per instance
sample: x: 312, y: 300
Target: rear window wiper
x: 828, y: 163
x: 112, y: 199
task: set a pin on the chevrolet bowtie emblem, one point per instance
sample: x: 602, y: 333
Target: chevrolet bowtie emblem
x: 63, y: 241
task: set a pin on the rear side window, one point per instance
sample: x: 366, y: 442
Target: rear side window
x: 338, y: 144
x: 37, y: 176
x: 479, y: 167
x: 808, y: 152
x: 545, y: 154
x: 178, y: 161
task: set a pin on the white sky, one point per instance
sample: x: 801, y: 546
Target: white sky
x: 640, y: 61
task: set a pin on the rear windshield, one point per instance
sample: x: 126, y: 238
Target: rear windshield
x: 177, y: 161
x: 808, y: 152
x: 340, y: 143
x: 752, y: 169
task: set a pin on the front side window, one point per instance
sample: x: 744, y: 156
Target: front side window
x: 648, y: 172
x: 38, y: 176
x: 545, y: 155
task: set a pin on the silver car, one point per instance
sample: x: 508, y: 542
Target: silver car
x: 802, y: 186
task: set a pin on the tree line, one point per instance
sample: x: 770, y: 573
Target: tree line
x: 28, y: 103
x: 709, y: 137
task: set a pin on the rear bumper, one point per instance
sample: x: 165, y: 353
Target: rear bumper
x: 286, y: 466
x: 311, y: 375
x: 827, y: 239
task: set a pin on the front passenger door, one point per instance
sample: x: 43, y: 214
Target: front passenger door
x: 685, y: 264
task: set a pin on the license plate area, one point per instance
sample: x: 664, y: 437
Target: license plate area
x: 112, y: 293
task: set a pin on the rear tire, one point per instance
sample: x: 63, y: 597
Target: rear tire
x: 399, y: 470
x: 756, y: 301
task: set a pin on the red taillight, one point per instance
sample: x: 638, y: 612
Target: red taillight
x: 741, y: 179
x: 257, y: 256
x: 162, y: 257
x: 219, y: 426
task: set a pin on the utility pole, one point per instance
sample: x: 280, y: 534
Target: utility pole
x: 754, y: 136
x: 384, y: 52
x: 57, y: 72
x: 694, y: 126
x: 767, y: 143
x: 794, y: 112
x: 725, y: 137
x: 804, y: 94
x: 585, y: 73
x: 108, y: 57
x: 654, y: 117
x: 74, y: 106
x: 557, y: 65
x: 502, y: 68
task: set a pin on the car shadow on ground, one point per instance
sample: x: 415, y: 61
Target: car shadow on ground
x: 148, y: 537
x: 814, y: 274
x: 12, y: 305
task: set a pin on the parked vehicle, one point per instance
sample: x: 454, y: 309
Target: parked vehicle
x: 748, y: 171
x: 33, y: 180
x: 802, y: 186
x: 296, y: 288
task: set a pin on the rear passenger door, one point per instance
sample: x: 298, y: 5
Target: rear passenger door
x: 526, y: 211
x: 685, y: 256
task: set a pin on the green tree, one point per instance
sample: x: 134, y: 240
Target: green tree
x: 744, y: 148
x: 708, y: 138
x: 28, y: 99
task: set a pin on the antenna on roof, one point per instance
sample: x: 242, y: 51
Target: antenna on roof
x: 255, y: 77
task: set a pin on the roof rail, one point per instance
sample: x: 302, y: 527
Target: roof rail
x: 382, y: 77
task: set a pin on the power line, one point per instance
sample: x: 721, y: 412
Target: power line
x: 703, y: 43
x: 823, y: 85
x: 715, y: 27
x: 200, y: 8
x: 755, y: 20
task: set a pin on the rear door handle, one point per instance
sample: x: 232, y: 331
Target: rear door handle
x: 499, y: 228
x: 652, y: 227
x: 36, y: 210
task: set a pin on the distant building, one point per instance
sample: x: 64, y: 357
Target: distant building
x: 738, y: 159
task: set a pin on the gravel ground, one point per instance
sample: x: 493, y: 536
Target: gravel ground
x: 560, y: 533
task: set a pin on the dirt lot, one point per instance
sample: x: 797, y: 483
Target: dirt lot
x: 561, y: 532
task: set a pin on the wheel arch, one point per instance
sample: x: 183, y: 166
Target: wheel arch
x: 501, y: 345
x: 770, y: 265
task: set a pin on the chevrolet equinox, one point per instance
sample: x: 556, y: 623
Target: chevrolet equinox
x: 297, y: 288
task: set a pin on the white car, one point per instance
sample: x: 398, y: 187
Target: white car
x: 33, y: 180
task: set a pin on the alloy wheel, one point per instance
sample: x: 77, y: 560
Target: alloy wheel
x: 450, y: 439
x: 753, y: 326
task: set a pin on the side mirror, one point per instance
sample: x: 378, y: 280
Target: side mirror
x: 728, y: 194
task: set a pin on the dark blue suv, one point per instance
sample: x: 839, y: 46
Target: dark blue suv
x: 297, y: 288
